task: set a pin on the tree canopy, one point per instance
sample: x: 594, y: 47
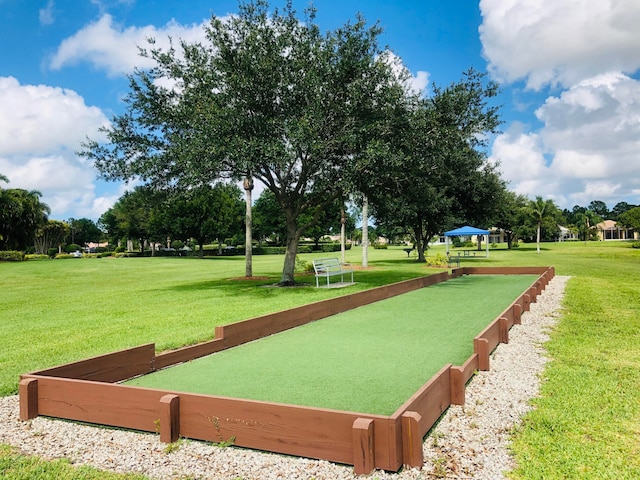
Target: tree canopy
x: 267, y: 96
x: 631, y: 218
x: 21, y: 214
x: 434, y: 174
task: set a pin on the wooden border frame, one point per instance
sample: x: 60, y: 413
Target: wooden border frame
x: 88, y: 390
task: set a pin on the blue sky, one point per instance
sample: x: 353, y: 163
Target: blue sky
x: 568, y: 71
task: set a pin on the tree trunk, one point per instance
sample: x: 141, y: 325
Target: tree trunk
x: 291, y: 242
x: 201, y: 249
x: 418, y: 233
x: 343, y: 221
x: 248, y: 241
x: 365, y: 233
x: 538, y: 239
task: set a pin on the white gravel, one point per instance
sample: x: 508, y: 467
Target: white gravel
x: 470, y: 441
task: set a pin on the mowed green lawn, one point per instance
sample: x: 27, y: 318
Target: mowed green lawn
x: 586, y: 421
x: 370, y: 359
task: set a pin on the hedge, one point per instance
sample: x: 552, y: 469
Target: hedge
x: 11, y: 256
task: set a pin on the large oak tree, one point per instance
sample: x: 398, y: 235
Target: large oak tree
x: 267, y: 96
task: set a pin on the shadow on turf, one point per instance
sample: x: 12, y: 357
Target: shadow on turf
x: 364, y: 279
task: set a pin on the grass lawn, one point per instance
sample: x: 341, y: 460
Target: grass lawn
x: 586, y: 420
x: 370, y: 359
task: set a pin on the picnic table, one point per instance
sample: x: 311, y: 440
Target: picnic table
x: 409, y: 250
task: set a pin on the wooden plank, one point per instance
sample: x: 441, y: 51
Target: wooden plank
x: 112, y: 367
x: 186, y: 354
x: 492, y: 334
x: 430, y: 401
x: 102, y: 403
x: 363, y: 446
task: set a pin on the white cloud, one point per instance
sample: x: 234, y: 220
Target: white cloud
x: 588, y: 148
x: 551, y: 42
x: 112, y: 48
x: 37, y: 119
x: 413, y: 83
x: 40, y: 129
x: 45, y: 15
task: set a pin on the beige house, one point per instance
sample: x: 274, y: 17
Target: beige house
x: 610, y: 230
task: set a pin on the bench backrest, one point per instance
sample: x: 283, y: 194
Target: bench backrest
x: 321, y: 265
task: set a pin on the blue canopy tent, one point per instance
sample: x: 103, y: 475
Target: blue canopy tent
x: 466, y: 231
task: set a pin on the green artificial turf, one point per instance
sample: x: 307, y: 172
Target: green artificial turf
x: 370, y: 359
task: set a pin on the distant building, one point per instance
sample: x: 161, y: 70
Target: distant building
x: 610, y: 230
x: 566, y: 234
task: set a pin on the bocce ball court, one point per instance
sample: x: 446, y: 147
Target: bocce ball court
x: 362, y: 386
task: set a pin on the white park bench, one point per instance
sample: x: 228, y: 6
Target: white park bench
x: 331, y: 267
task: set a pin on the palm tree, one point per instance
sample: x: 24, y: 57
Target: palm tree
x: 21, y: 214
x: 587, y: 221
x: 540, y: 209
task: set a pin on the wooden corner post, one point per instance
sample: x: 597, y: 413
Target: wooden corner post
x: 363, y: 447
x: 412, y: 455
x: 169, y: 418
x: 28, y: 391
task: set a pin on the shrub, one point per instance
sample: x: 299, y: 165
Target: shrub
x: 440, y: 260
x: 37, y: 256
x: 494, y: 245
x: 52, y: 252
x: 635, y: 245
x: 380, y: 246
x: 303, y: 266
x: 72, y: 247
x: 11, y: 256
x: 63, y: 256
x: 177, y: 244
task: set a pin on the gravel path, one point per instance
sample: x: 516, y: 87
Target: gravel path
x: 469, y: 442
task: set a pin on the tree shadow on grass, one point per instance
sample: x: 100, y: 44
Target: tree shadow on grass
x: 262, y: 287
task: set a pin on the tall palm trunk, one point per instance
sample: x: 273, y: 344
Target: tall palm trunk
x: 248, y: 240
x: 365, y: 233
x: 343, y: 221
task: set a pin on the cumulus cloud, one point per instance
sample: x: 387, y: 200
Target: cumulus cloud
x: 40, y: 129
x: 113, y: 48
x: 587, y: 148
x: 586, y: 53
x: 37, y: 118
x: 551, y: 42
